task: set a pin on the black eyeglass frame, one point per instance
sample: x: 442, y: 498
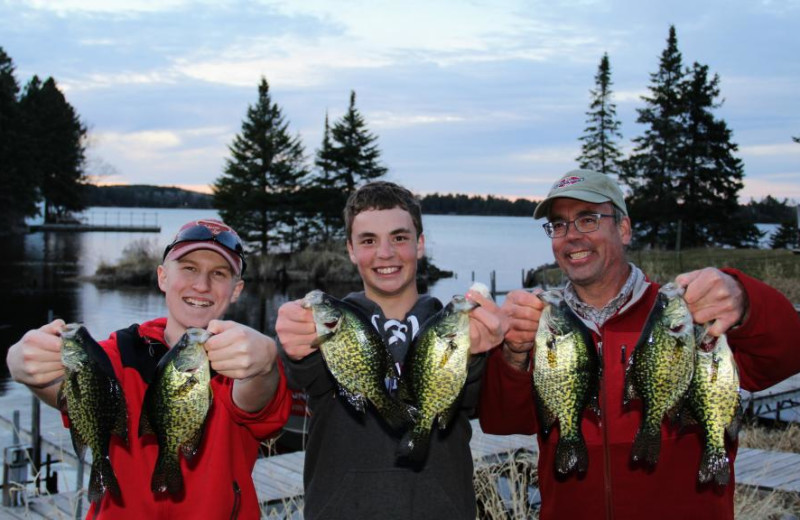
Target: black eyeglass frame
x: 201, y: 233
x: 550, y: 231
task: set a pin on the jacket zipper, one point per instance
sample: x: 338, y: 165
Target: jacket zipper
x: 606, y: 455
x: 237, y: 499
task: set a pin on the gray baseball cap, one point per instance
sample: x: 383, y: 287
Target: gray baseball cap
x: 585, y: 185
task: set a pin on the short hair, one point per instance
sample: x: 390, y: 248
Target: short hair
x: 378, y: 195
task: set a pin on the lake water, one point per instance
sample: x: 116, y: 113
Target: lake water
x: 39, y: 270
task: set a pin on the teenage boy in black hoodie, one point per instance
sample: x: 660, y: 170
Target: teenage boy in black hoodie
x: 351, y: 469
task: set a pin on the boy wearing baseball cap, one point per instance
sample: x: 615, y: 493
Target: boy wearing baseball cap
x: 200, y: 277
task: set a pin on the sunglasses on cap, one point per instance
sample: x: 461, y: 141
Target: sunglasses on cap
x: 201, y: 233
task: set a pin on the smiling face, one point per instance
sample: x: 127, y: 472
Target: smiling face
x: 198, y: 288
x: 385, y: 247
x: 594, y: 262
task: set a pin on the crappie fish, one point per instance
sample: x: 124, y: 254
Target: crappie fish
x: 356, y: 357
x: 94, y: 401
x: 713, y: 401
x: 566, y: 379
x: 175, y: 407
x: 435, y: 373
x: 660, y: 369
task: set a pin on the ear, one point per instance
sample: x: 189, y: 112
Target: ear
x: 420, y: 246
x: 625, y: 230
x: 161, y: 272
x: 350, y: 252
x: 237, y: 290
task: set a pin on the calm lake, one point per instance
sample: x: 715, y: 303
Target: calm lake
x: 38, y: 271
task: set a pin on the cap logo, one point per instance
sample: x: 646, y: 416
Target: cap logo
x: 568, y: 181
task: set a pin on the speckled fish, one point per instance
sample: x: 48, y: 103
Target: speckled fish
x: 92, y: 398
x: 660, y: 369
x: 435, y: 373
x: 357, y: 358
x: 566, y: 379
x: 175, y: 407
x: 713, y: 401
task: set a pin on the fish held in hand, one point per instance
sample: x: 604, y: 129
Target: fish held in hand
x: 92, y: 398
x: 357, y: 358
x: 175, y: 407
x: 566, y: 379
x: 435, y: 374
x: 713, y: 402
x: 660, y: 369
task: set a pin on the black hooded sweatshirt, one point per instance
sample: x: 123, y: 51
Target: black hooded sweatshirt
x: 351, y: 469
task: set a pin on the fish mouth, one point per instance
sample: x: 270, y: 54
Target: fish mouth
x: 197, y: 302
x: 387, y: 270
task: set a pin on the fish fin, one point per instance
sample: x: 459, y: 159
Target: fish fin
x: 571, y: 455
x: 732, y: 429
x: 190, y: 447
x: 167, y: 476
x: 120, y: 427
x: 447, y: 416
x: 322, y: 338
x: 145, y: 426
x: 630, y: 393
x: 415, y: 443
x: 102, y: 478
x: 396, y: 413
x: 646, y: 445
x: 546, y: 418
x: 78, y: 443
x: 357, y: 401
x: 714, y: 466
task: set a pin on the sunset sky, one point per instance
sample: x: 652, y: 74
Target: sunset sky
x: 472, y: 96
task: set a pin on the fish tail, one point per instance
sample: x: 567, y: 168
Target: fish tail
x: 414, y: 445
x: 167, y: 476
x: 714, y: 466
x: 647, y: 445
x: 571, y: 455
x: 102, y: 478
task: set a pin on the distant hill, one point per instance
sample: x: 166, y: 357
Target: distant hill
x: 146, y: 196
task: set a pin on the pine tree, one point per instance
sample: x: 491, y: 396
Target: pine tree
x: 327, y: 198
x: 785, y: 237
x: 653, y: 168
x: 599, y: 151
x: 355, y: 153
x: 711, y: 176
x: 57, y: 140
x: 258, y: 192
x: 18, y: 195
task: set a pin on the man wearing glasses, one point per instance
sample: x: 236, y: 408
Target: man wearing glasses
x: 588, y: 223
x: 200, y: 276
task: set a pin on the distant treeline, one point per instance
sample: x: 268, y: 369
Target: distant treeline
x: 145, y: 196
x: 767, y: 210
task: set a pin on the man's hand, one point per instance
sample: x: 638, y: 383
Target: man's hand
x: 246, y: 356
x: 487, y: 324
x: 35, y: 360
x: 296, y: 330
x: 523, y: 310
x: 714, y: 296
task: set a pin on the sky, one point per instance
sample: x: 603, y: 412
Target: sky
x: 465, y: 96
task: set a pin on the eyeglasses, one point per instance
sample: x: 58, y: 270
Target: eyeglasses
x: 200, y: 233
x: 585, y: 223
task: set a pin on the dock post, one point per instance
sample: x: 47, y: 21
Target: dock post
x: 493, y: 282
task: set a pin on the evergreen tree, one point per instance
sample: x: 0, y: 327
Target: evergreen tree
x: 711, y: 176
x: 57, y: 149
x: 18, y: 195
x: 785, y: 237
x: 326, y: 197
x: 355, y: 153
x: 258, y: 192
x: 655, y: 163
x: 599, y: 151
